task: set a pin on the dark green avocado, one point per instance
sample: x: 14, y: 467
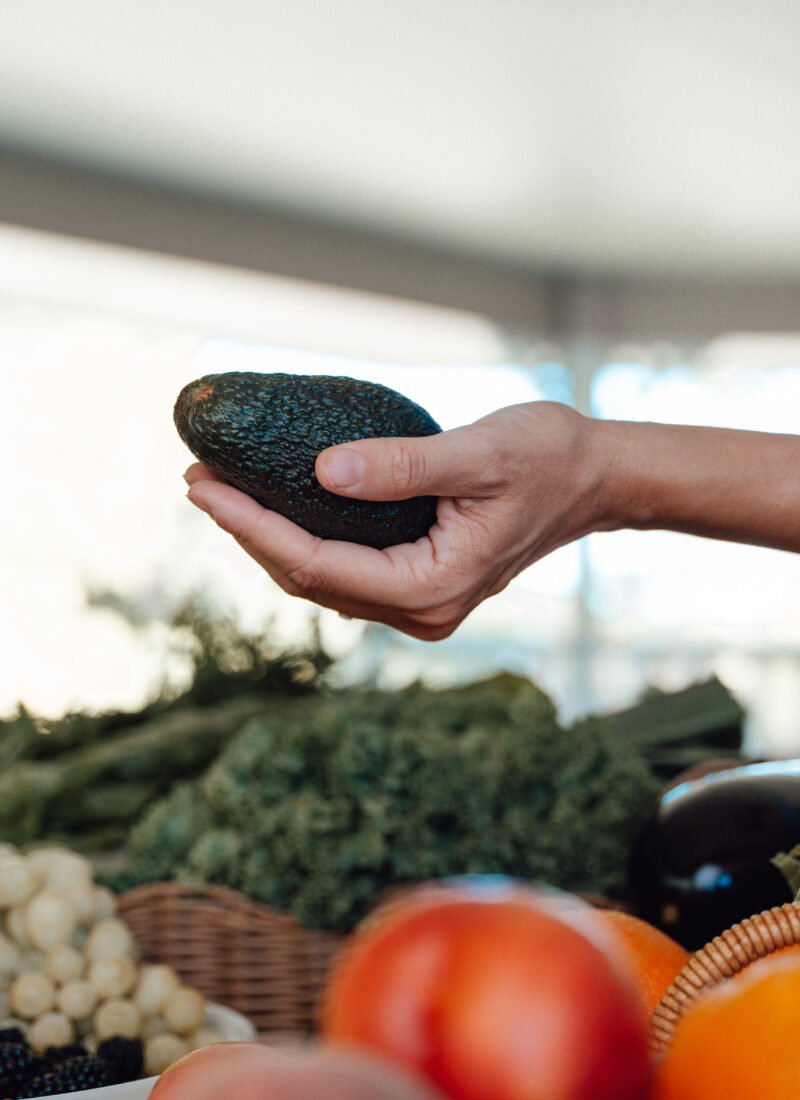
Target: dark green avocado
x: 263, y: 432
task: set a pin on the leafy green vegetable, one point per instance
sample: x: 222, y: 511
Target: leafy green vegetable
x: 114, y: 779
x: 223, y: 663
x: 319, y: 811
x: 84, y: 778
x: 788, y: 863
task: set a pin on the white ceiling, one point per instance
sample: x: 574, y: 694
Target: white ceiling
x: 607, y: 136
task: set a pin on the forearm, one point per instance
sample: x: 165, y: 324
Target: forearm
x: 715, y: 482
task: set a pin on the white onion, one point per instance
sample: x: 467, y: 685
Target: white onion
x: 117, y: 1017
x: 53, y: 1029
x: 10, y: 956
x: 18, y: 880
x: 32, y: 995
x: 109, y: 937
x: 162, y: 1051
x: 50, y: 919
x: 112, y: 976
x: 77, y: 999
x: 204, y: 1037
x: 185, y: 1010
x: 157, y: 982
x: 64, y: 963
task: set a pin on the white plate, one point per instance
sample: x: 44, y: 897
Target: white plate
x: 232, y: 1026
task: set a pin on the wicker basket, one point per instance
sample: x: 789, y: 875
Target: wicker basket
x: 237, y: 952
x: 240, y: 953
x: 727, y: 954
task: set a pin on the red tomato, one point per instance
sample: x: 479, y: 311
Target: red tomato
x: 247, y: 1071
x: 491, y: 997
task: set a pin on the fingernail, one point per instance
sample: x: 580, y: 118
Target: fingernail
x: 344, y: 468
x: 199, y: 503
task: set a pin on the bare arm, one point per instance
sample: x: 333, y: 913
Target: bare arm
x: 716, y: 482
x: 513, y: 487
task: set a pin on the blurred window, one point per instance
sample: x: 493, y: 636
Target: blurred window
x: 95, y: 344
x: 667, y: 608
x: 643, y: 609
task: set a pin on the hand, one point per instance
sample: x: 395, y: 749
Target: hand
x: 512, y: 487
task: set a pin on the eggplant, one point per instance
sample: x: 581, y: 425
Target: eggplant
x: 704, y: 861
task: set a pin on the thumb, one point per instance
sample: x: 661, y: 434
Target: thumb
x: 398, y: 468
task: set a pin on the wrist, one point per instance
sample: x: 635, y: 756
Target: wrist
x: 651, y: 475
x: 609, y: 461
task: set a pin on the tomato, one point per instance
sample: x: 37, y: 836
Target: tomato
x: 491, y: 996
x: 248, y: 1071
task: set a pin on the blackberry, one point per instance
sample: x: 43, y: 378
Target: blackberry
x: 73, y: 1075
x: 17, y: 1063
x: 13, y: 1035
x: 56, y: 1055
x: 123, y: 1056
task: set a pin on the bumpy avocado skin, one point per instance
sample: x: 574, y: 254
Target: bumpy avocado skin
x: 263, y: 432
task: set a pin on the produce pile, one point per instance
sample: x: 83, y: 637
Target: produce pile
x: 82, y: 779
x: 468, y: 989
x: 319, y: 811
x: 496, y: 990
x: 262, y: 776
x: 323, y: 803
x: 76, y: 1009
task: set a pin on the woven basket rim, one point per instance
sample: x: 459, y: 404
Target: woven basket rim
x: 238, y: 951
x: 727, y: 954
x: 224, y: 896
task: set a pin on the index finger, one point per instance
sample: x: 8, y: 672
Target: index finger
x: 344, y: 570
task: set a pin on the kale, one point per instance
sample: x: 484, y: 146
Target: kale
x: 83, y: 778
x: 321, y: 810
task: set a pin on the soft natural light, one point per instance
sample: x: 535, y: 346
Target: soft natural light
x: 722, y: 607
x: 205, y: 298
x: 95, y: 344
x: 702, y: 589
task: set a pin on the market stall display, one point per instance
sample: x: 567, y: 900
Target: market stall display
x: 239, y: 952
x: 294, y: 815
x: 319, y: 811
x: 79, y: 1010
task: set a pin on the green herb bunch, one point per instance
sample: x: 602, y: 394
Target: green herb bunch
x: 321, y: 810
